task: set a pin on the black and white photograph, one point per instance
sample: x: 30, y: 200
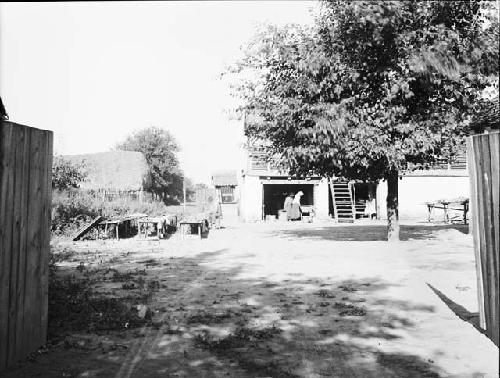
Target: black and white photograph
x: 249, y: 189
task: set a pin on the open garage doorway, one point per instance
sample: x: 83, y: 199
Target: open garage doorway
x: 275, y: 194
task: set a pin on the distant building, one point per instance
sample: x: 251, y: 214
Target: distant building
x: 114, y: 173
x: 227, y: 192
x: 263, y: 189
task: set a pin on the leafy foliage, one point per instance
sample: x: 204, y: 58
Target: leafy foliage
x: 374, y: 88
x: 65, y: 174
x: 160, y: 149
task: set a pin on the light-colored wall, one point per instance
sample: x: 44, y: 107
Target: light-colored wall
x: 250, y: 199
x: 415, y: 191
x: 321, y: 199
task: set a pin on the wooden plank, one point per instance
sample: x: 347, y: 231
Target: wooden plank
x: 47, y: 212
x: 20, y: 328
x: 494, y: 147
x: 18, y: 145
x: 473, y: 224
x: 6, y: 209
x: 480, y: 224
x: 487, y: 234
x: 83, y: 230
x: 32, y: 286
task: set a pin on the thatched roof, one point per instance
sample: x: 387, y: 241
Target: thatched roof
x: 224, y: 178
x: 114, y: 170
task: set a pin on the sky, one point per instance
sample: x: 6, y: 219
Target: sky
x: 96, y: 72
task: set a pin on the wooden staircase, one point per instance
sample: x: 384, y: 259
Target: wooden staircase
x: 342, y: 202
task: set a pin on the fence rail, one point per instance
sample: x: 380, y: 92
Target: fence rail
x: 484, y: 168
x: 25, y: 197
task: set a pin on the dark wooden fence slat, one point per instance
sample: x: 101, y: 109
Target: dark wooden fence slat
x: 494, y: 147
x: 20, y: 329
x: 25, y: 193
x: 32, y: 281
x: 7, y: 184
x: 18, y: 143
x: 7, y: 214
x: 47, y: 212
x: 485, y: 186
x: 475, y: 228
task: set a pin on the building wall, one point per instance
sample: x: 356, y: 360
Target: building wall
x: 321, y: 199
x: 415, y: 191
x: 250, y: 199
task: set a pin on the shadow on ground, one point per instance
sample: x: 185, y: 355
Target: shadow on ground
x: 459, y: 310
x: 210, y: 323
x: 369, y: 232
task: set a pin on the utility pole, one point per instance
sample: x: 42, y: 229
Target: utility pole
x: 184, y: 193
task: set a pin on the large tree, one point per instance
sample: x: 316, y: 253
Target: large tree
x: 373, y: 89
x: 160, y: 149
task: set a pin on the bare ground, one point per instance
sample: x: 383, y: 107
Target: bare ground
x: 278, y: 300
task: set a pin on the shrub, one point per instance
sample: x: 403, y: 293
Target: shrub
x: 66, y: 174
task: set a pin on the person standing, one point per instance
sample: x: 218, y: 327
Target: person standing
x: 371, y: 207
x: 287, y: 206
x: 295, y: 212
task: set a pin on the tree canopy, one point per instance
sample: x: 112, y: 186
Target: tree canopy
x: 372, y: 89
x: 66, y: 175
x: 160, y: 150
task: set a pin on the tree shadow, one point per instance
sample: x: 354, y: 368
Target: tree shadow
x: 229, y: 326
x: 210, y: 321
x: 369, y: 232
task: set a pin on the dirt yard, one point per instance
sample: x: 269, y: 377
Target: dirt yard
x: 269, y: 300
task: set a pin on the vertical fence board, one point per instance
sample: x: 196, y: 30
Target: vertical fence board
x: 484, y: 168
x: 32, y: 280
x: 6, y: 227
x: 22, y: 245
x: 17, y: 145
x: 25, y: 193
x: 46, y: 221
x: 475, y: 229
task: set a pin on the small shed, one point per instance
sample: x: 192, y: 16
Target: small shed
x: 226, y: 183
x: 114, y: 173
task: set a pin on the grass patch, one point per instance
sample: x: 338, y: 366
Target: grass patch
x: 349, y: 310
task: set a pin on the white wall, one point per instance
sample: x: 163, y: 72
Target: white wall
x: 250, y: 199
x: 414, y: 192
x: 321, y: 199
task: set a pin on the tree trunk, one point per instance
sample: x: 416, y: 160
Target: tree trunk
x: 392, y: 207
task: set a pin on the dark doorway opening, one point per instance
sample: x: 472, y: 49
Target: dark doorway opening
x: 275, y: 194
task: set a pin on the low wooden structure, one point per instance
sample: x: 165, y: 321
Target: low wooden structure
x: 25, y: 202
x: 458, y: 205
x: 160, y: 226
x: 484, y: 166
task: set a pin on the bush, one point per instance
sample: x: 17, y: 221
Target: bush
x: 66, y: 174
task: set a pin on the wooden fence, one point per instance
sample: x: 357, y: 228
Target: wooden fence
x: 25, y: 198
x: 484, y: 168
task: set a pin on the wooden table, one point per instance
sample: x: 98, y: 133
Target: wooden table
x: 445, y: 206
x: 159, y: 223
x: 184, y: 226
